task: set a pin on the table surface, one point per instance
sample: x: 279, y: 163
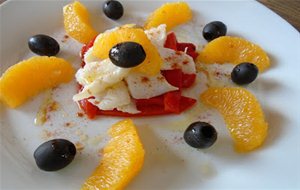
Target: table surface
x: 287, y: 9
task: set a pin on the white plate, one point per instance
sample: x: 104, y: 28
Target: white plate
x: 169, y: 163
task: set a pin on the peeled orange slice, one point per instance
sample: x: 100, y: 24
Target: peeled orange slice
x: 27, y: 78
x: 171, y: 14
x: 234, y: 50
x: 105, y: 41
x: 242, y: 113
x: 77, y: 23
x: 123, y: 158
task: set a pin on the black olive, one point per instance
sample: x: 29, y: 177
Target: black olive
x: 200, y: 135
x: 214, y: 30
x: 54, y: 154
x: 127, y: 54
x: 113, y: 9
x: 244, y: 73
x: 43, y: 45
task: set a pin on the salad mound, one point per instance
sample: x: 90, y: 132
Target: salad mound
x: 106, y: 89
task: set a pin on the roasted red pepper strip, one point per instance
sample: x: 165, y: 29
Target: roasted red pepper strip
x: 145, y: 111
x: 186, y: 47
x: 174, y: 77
x: 189, y: 48
x: 171, y: 41
x: 188, y: 80
x: 150, y: 110
x: 89, y: 109
x: 172, y: 101
x: 179, y: 79
x: 186, y: 103
x: 84, y: 49
x: 158, y: 101
x: 193, y: 54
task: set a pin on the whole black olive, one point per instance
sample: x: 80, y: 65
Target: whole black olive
x: 200, y: 135
x: 54, y: 154
x: 127, y: 54
x: 244, y: 73
x: 113, y: 9
x: 43, y: 45
x: 214, y: 30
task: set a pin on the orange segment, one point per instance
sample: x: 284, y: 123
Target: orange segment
x: 123, y: 158
x: 242, y: 113
x: 77, y: 23
x: 171, y: 14
x: 105, y: 41
x: 234, y: 50
x: 27, y: 78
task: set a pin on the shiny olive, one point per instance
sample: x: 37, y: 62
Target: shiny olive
x: 244, y: 73
x: 54, y: 154
x: 127, y: 54
x: 200, y: 135
x: 214, y: 30
x: 113, y: 9
x: 43, y: 45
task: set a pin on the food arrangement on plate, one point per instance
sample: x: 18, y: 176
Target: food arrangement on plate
x: 140, y: 71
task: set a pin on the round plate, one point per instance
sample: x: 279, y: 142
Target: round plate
x: 169, y: 162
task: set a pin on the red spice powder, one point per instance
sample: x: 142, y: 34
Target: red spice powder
x: 144, y: 79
